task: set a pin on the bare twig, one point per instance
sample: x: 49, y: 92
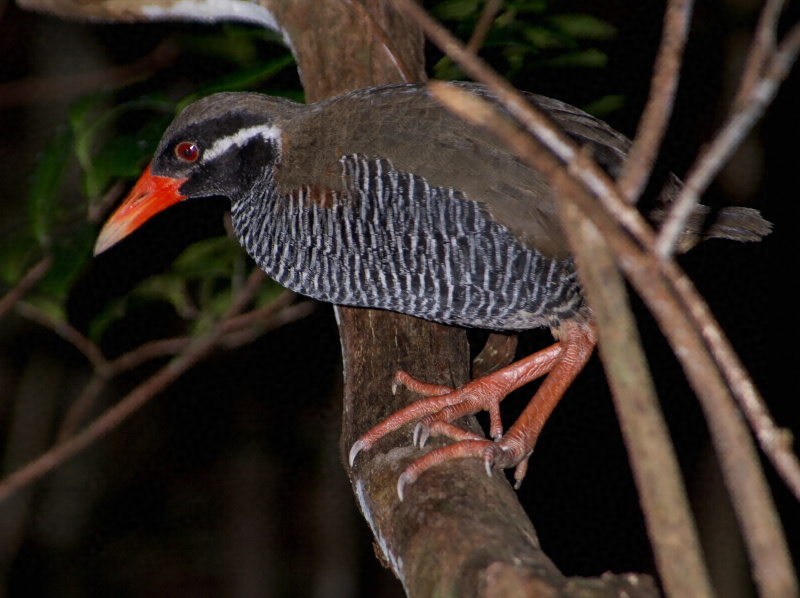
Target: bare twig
x: 776, y: 442
x: 670, y: 525
x: 484, y: 25
x: 654, y: 120
x: 25, y: 285
x: 556, y: 141
x: 146, y: 352
x: 66, y: 87
x: 69, y: 333
x: 81, y: 406
x: 137, y: 398
x: 245, y: 295
x: 105, y: 370
x: 762, y: 48
x: 235, y: 331
x: 605, y: 193
x: 717, y: 153
x: 287, y: 315
x: 125, y: 362
x: 773, y: 570
x: 192, y: 351
x: 763, y: 536
x: 667, y: 513
x: 98, y: 210
x: 235, y: 323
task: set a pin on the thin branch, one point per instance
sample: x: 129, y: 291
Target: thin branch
x: 23, y: 286
x: 81, y: 406
x: 763, y: 46
x: 66, y: 87
x: 663, y: 86
x: 110, y: 419
x: 192, y: 353
x: 671, y: 527
x: 713, y: 158
x: 666, y: 508
x: 245, y: 295
x: 752, y: 501
x: 98, y: 210
x: 146, y: 352
x: 235, y: 330
x: 125, y: 362
x: 776, y: 442
x: 604, y: 191
x: 235, y: 323
x: 69, y: 333
x: 289, y: 314
x: 484, y: 25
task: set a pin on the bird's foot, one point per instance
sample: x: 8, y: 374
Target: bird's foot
x: 498, y: 453
x: 562, y: 362
x: 443, y: 404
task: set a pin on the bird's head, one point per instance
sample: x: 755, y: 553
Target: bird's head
x: 217, y: 146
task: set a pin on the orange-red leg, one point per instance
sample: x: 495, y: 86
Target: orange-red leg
x: 563, y: 360
x: 482, y: 394
x: 515, y: 447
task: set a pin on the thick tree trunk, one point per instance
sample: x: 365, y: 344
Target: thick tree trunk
x: 458, y: 532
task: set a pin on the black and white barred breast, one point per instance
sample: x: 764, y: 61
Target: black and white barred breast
x: 396, y: 243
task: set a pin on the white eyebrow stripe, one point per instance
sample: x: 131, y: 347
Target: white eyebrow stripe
x: 240, y: 138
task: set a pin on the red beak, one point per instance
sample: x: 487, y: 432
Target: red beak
x: 151, y: 194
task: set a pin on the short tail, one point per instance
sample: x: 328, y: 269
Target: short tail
x: 735, y: 223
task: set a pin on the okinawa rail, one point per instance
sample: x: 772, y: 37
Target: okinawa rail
x: 382, y: 198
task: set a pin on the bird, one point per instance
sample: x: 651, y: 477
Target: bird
x: 382, y: 198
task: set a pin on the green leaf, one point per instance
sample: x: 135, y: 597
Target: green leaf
x: 70, y: 253
x: 110, y: 313
x: 165, y: 287
x: 605, y: 105
x: 455, y: 10
x: 526, y: 6
x: 268, y: 292
x: 200, y: 278
x: 591, y: 57
x: 124, y: 154
x: 18, y: 252
x: 86, y: 134
x: 80, y: 109
x: 583, y: 26
x: 208, y: 258
x: 49, y: 305
x: 45, y: 187
x: 241, y: 79
x: 447, y: 70
x: 542, y: 37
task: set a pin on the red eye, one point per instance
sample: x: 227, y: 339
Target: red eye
x: 187, y: 151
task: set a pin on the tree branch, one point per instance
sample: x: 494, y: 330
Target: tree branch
x: 26, y: 284
x: 682, y: 315
x: 727, y: 140
x: 655, y: 118
x: 666, y: 509
x: 191, y: 352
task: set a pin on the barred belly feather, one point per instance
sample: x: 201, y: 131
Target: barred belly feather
x: 399, y: 244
